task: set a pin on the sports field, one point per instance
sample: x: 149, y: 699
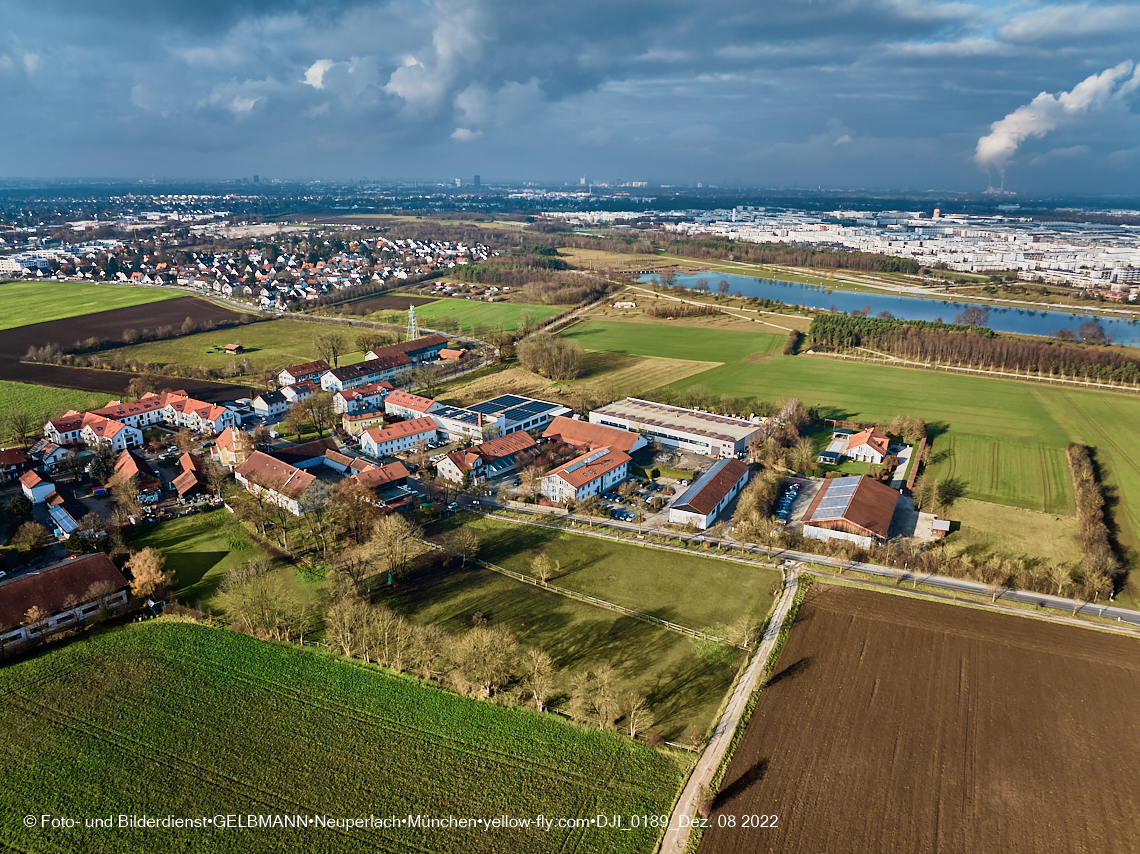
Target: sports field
x: 272, y: 343
x: 39, y: 399
x: 37, y: 301
x: 470, y: 313
x: 163, y: 719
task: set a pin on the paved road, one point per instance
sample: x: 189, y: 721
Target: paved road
x: 677, y: 834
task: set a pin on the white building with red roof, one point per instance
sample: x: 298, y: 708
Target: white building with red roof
x: 870, y: 446
x: 307, y: 371
x: 592, y: 473
x: 492, y: 458
x: 403, y: 404
x: 366, y: 397
x: 121, y: 423
x: 35, y: 488
x: 403, y: 436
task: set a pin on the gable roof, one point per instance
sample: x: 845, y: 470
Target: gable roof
x: 505, y: 445
x: 379, y: 476
x: 854, y: 503
x: 406, y: 400
x: 303, y: 453
x: 319, y: 366
x: 872, y: 438
x: 12, y: 457
x: 413, y: 427
x: 30, y: 479
x: 415, y: 346
x: 128, y: 465
x: 589, y: 466
x: 189, y: 462
x: 587, y: 435
x: 267, y: 472
x: 188, y: 480
x: 51, y: 588
x: 705, y: 495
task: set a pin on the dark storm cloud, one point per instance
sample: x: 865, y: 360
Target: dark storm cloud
x: 838, y: 92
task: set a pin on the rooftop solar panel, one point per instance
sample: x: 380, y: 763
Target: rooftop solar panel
x: 836, y: 499
x: 529, y: 410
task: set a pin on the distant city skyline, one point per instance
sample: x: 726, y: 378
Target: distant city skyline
x: 892, y: 95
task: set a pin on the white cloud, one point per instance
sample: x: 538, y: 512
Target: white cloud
x: 31, y: 62
x: 466, y: 134
x: 315, y: 75
x: 241, y: 105
x: 1045, y: 112
x: 1070, y: 21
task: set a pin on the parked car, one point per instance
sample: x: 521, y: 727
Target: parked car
x: 453, y: 505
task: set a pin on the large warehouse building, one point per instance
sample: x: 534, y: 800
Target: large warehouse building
x: 687, y: 429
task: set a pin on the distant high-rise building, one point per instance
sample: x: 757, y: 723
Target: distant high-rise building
x: 477, y: 184
x: 256, y: 179
x: 937, y: 213
x: 582, y: 182
x: 458, y: 182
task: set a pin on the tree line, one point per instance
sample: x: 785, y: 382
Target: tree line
x: 1100, y: 566
x: 790, y: 255
x: 952, y: 344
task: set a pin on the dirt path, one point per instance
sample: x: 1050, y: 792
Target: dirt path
x: 677, y: 835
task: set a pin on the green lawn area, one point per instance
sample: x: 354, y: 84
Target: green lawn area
x: 164, y: 718
x: 200, y: 549
x: 271, y: 343
x: 681, y: 688
x: 27, y: 302
x: 469, y: 313
x: 41, y: 399
x: 677, y: 342
x: 986, y: 528
x: 1007, y: 437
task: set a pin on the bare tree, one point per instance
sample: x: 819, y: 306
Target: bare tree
x: 147, y: 575
x: 398, y: 542
x: 538, y: 675
x: 321, y: 411
x: 330, y: 347
x: 540, y: 567
x: 636, y: 712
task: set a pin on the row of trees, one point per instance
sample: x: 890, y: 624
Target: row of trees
x: 682, y: 311
x: 974, y: 347
x: 790, y: 255
x: 1100, y: 565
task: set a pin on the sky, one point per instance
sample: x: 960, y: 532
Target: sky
x: 1043, y: 98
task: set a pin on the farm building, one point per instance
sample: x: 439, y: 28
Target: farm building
x: 869, y: 446
x: 307, y: 455
x: 592, y: 473
x: 492, y: 458
x: 425, y: 349
x: 281, y: 483
x: 307, y: 371
x: 583, y: 434
x: 68, y: 595
x: 687, y: 429
x: 702, y: 502
x: 858, y: 509
x: 402, y: 436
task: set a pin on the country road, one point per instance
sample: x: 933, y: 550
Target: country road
x: 677, y: 834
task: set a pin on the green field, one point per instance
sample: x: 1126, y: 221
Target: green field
x: 199, y: 549
x: 269, y: 344
x: 1022, y: 428
x: 469, y: 313
x: 174, y: 719
x: 678, y: 342
x: 41, y: 399
x: 681, y: 688
x: 37, y: 301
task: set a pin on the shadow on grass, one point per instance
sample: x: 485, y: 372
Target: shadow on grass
x: 190, y: 569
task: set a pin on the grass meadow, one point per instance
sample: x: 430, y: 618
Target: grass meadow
x: 271, y: 343
x: 681, y: 687
x: 1003, y: 440
x: 164, y: 718
x: 36, y: 301
x: 470, y: 313
x: 42, y: 399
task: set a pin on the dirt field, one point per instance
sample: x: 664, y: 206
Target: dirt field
x: 893, y: 724
x: 14, y: 343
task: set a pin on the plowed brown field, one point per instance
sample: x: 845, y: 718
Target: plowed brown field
x: 14, y: 343
x: 898, y: 725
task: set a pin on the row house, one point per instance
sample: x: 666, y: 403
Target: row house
x: 404, y: 436
x: 366, y: 397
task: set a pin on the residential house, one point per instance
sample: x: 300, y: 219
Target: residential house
x: 130, y: 467
x: 192, y: 480
x: 13, y: 463
x: 402, y: 404
x: 270, y: 405
x: 352, y: 376
x: 370, y: 397
x: 281, y: 483
x: 232, y: 448
x: 710, y: 495
x: 592, y: 473
x: 35, y: 488
x: 68, y: 594
x: 46, y: 455
x: 355, y: 423
x: 97, y: 430
x: 402, y: 436
x: 307, y: 371
x: 869, y: 446
x: 424, y: 349
x: 489, y: 459
x: 300, y: 391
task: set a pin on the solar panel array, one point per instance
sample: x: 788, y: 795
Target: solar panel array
x: 836, y: 499
x: 499, y: 404
x: 529, y: 410
x: 464, y: 415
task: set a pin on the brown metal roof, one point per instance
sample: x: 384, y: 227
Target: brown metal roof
x: 711, y: 493
x: 868, y: 511
x: 587, y: 435
x: 52, y: 588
